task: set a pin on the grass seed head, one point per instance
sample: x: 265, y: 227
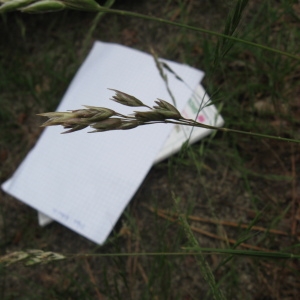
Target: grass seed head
x: 108, y: 124
x: 81, y: 116
x: 101, y: 118
x: 156, y: 115
x: 148, y: 116
x: 74, y: 127
x: 126, y: 99
x: 129, y: 124
x: 30, y: 257
x: 12, y: 5
x: 162, y: 104
x: 101, y: 114
x: 33, y: 6
x: 57, y: 118
x: 86, y: 5
x: 44, y: 6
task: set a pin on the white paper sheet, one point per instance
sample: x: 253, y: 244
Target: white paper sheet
x: 84, y: 181
x: 180, y: 134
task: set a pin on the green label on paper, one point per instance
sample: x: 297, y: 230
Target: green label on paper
x: 192, y: 106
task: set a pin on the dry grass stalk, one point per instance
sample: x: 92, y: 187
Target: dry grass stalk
x: 221, y: 222
x: 93, y: 280
x: 207, y: 233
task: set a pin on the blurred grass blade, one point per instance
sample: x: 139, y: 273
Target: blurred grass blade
x: 107, y: 4
x: 202, y: 263
x: 44, y: 6
x: 12, y: 5
x: 162, y: 74
x: 245, y: 237
x: 232, y: 23
x: 85, y: 5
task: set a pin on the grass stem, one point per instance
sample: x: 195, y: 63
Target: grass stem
x: 197, y: 29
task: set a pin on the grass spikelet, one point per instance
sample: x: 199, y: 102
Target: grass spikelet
x: 85, y: 5
x: 12, y: 5
x: 126, y: 99
x: 44, y: 6
x: 105, y: 125
x: 30, y: 257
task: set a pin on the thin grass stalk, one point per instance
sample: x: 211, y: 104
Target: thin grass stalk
x: 192, y: 251
x: 224, y: 129
x: 232, y: 22
x: 34, y: 257
x: 94, y: 24
x: 203, y: 265
x: 197, y: 29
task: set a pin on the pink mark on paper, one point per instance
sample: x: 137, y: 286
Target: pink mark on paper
x: 201, y: 119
